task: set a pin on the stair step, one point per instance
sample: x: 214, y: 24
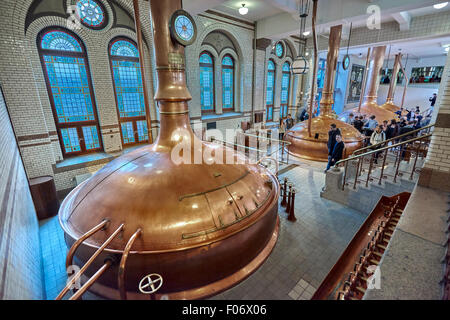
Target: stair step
x: 378, y: 254
x: 381, y: 246
x: 360, y: 289
x: 374, y: 261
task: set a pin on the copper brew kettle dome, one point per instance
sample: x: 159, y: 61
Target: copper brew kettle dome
x: 202, y: 227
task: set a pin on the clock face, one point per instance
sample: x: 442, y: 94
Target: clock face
x: 182, y: 27
x: 279, y: 50
x: 346, y: 62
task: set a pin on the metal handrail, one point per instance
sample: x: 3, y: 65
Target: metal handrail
x: 265, y: 138
x: 123, y: 262
x: 101, y: 226
x: 394, y: 138
x: 71, y: 281
x: 382, y: 149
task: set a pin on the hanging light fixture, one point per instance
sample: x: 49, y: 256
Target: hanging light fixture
x: 300, y: 64
x: 243, y: 10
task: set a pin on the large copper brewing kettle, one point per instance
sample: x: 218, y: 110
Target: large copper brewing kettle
x: 204, y: 227
x: 309, y: 140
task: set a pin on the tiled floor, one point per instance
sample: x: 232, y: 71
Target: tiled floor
x: 305, y: 251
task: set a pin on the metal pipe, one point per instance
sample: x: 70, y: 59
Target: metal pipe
x: 332, y: 57
x: 123, y: 262
x: 345, y: 175
x: 406, y: 84
x: 91, y: 280
x: 137, y: 21
x: 372, y: 83
x: 382, y: 167
x: 398, y: 163
x: 370, y: 170
x: 393, y: 83
x: 415, y: 160
x: 316, y: 58
x: 363, y: 89
x: 88, y: 263
x: 76, y: 244
x: 356, y: 175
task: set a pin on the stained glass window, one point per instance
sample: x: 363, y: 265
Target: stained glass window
x: 65, y: 66
x: 206, y: 82
x: 129, y: 90
x: 270, y: 85
x: 91, y: 13
x: 61, y: 41
x: 124, y: 48
x: 279, y: 50
x: 284, y: 96
x: 227, y: 83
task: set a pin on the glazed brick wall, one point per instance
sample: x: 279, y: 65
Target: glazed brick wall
x: 21, y: 273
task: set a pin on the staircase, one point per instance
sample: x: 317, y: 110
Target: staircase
x: 362, y: 179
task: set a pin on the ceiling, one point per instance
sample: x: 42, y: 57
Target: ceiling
x: 257, y: 9
x: 416, y: 49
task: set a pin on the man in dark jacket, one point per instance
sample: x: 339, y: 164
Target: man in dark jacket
x: 433, y: 100
x: 336, y: 153
x: 332, y: 138
x: 289, y: 122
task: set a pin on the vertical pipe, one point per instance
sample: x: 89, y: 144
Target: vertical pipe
x: 406, y: 84
x: 122, y: 265
x: 332, y: 57
x: 382, y: 167
x: 357, y: 172
x: 370, y: 170
x: 345, y: 175
x: 137, y: 21
x: 363, y: 89
x: 372, y: 83
x: 393, y: 83
x: 316, y: 58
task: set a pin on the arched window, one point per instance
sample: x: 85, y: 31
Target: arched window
x: 227, y: 83
x: 127, y: 79
x: 284, y: 96
x: 270, y: 90
x: 66, y: 70
x: 207, y: 82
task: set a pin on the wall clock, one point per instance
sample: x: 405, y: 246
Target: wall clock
x: 182, y: 28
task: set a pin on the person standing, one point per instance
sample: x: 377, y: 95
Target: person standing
x: 350, y: 119
x: 336, y: 153
x: 281, y: 130
x: 433, y: 100
x: 358, y: 123
x: 289, y: 122
x: 334, y: 131
x: 370, y: 126
x: 378, y: 136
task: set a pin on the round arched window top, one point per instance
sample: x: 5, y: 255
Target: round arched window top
x: 205, y: 58
x: 124, y: 48
x: 92, y: 13
x: 227, y: 61
x: 60, y: 40
x: 279, y: 49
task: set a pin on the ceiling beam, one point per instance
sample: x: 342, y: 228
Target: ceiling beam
x: 403, y: 19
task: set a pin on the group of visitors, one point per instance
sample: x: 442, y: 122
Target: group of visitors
x: 285, y: 124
